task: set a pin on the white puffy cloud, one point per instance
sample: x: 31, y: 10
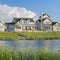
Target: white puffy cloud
x: 7, y: 13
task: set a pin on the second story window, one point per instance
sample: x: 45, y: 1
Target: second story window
x: 26, y: 21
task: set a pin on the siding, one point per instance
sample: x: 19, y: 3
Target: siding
x: 2, y: 27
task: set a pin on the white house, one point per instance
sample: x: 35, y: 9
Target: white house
x: 56, y: 26
x: 24, y: 24
x: 2, y: 27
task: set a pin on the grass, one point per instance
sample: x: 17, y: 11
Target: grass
x: 41, y: 35
x: 30, y: 35
x: 28, y: 54
x: 9, y: 36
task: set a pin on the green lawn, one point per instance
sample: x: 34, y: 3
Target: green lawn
x: 30, y: 35
x: 9, y: 36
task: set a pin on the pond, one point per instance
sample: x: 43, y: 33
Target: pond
x: 53, y: 44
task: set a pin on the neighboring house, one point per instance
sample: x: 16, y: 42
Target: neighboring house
x: 44, y: 23
x: 9, y: 26
x: 2, y: 27
x: 56, y: 26
x: 24, y: 24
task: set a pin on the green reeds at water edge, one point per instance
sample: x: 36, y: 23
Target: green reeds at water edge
x: 28, y: 54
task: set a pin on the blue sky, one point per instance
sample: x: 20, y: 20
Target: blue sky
x: 51, y: 7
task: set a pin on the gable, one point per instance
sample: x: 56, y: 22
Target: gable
x: 17, y: 25
x: 45, y: 16
x: 47, y: 21
x: 57, y: 24
x: 1, y: 25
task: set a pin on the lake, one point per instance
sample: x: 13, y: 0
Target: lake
x: 53, y: 44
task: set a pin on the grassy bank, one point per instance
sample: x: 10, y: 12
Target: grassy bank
x: 9, y: 36
x: 28, y: 54
x: 30, y: 35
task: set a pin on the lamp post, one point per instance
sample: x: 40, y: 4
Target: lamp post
x: 41, y: 22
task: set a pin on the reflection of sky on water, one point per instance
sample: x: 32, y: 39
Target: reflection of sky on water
x: 27, y: 44
x: 53, y: 44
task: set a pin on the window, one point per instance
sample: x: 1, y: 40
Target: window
x: 26, y: 21
x: 29, y: 27
x: 17, y: 26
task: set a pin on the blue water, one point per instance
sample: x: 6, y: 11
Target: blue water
x: 53, y: 44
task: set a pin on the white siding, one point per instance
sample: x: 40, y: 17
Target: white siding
x: 18, y: 30
x: 47, y: 21
x: 56, y: 27
x: 2, y: 27
x: 45, y: 16
x: 31, y: 22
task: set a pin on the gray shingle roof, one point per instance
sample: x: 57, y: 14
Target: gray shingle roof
x: 43, y: 19
x: 18, y: 19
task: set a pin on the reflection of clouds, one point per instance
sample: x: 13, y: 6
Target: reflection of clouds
x: 8, y: 44
x: 2, y: 43
x: 21, y: 44
x: 47, y: 44
x: 27, y: 44
x: 52, y: 44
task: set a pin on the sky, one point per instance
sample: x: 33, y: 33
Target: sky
x: 29, y: 8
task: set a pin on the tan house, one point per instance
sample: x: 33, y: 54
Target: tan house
x: 2, y: 27
x: 24, y: 24
x: 56, y: 26
x: 45, y: 23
